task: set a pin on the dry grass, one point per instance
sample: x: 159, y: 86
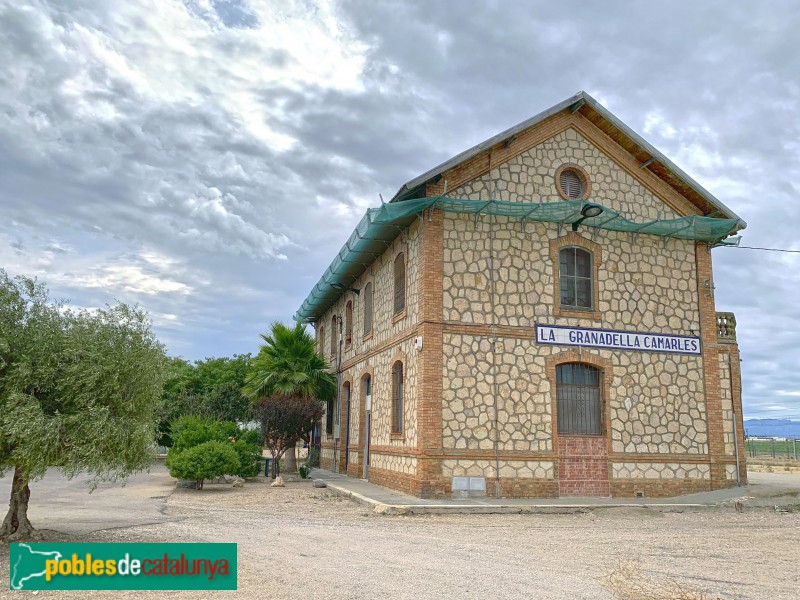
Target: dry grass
x: 629, y: 582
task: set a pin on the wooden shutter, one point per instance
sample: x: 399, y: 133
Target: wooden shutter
x: 571, y: 184
x: 368, y: 308
x: 399, y: 283
x: 348, y: 323
x: 397, y: 397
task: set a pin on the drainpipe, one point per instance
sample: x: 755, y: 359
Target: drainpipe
x: 492, y: 302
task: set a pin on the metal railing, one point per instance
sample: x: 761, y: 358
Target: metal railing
x: 777, y: 448
x: 726, y: 327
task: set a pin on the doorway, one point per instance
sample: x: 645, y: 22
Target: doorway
x: 366, y: 386
x: 582, y: 446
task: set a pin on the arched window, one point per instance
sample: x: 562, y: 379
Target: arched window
x: 579, y: 399
x: 397, y: 397
x: 366, y: 391
x: 348, y: 323
x: 575, y: 278
x: 399, y: 283
x: 321, y: 340
x: 334, y: 341
x: 368, y: 308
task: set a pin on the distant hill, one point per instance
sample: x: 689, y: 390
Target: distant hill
x: 772, y: 428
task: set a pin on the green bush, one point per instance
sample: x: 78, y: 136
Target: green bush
x: 313, y: 457
x: 249, y: 458
x: 204, y: 461
x: 251, y: 436
x: 189, y: 431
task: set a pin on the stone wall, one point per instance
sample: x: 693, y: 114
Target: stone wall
x: 531, y: 469
x: 402, y: 464
x: 385, y: 325
x: 379, y: 366
x: 634, y: 470
x: 656, y: 401
x: 378, y: 350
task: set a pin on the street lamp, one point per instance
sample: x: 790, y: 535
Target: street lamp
x: 589, y: 210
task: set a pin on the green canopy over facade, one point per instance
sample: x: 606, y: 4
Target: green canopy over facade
x: 380, y: 226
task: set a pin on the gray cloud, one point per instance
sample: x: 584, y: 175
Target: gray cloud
x: 207, y: 159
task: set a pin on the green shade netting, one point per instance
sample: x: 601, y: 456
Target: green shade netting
x: 380, y: 226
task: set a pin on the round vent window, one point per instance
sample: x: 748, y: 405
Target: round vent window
x: 572, y: 182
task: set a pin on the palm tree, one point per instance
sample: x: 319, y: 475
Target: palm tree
x: 288, y: 363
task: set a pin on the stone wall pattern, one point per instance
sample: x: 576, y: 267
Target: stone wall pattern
x: 660, y: 471
x: 538, y: 469
x: 389, y: 462
x: 656, y: 402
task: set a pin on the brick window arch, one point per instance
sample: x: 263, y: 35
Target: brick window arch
x: 576, y: 264
x: 397, y: 397
x: 399, y: 283
x: 580, y: 400
x: 572, y: 182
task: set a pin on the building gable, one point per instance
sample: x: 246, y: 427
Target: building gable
x: 584, y: 114
x: 530, y: 176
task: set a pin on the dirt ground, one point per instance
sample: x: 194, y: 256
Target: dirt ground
x: 302, y: 542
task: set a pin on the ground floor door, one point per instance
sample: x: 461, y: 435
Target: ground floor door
x: 582, y: 446
x: 583, y: 466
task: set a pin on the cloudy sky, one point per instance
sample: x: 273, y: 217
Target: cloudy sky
x: 207, y: 158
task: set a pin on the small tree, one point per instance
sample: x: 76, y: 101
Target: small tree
x: 204, y: 461
x: 79, y: 391
x: 285, y: 420
x: 288, y: 363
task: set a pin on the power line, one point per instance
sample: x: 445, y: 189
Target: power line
x: 758, y: 248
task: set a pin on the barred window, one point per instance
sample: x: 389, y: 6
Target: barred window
x: 368, y: 308
x: 321, y: 340
x: 399, y: 283
x: 397, y: 397
x: 575, y: 278
x: 348, y: 323
x: 578, y: 398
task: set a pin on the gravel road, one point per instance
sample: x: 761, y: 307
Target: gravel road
x: 301, y: 542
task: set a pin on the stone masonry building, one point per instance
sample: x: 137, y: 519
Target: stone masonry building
x: 536, y: 318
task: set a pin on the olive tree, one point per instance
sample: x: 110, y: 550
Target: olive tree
x: 79, y: 391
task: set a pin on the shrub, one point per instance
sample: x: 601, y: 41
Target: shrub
x: 251, y: 436
x: 313, y: 457
x: 204, y: 461
x: 188, y: 431
x: 249, y: 459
